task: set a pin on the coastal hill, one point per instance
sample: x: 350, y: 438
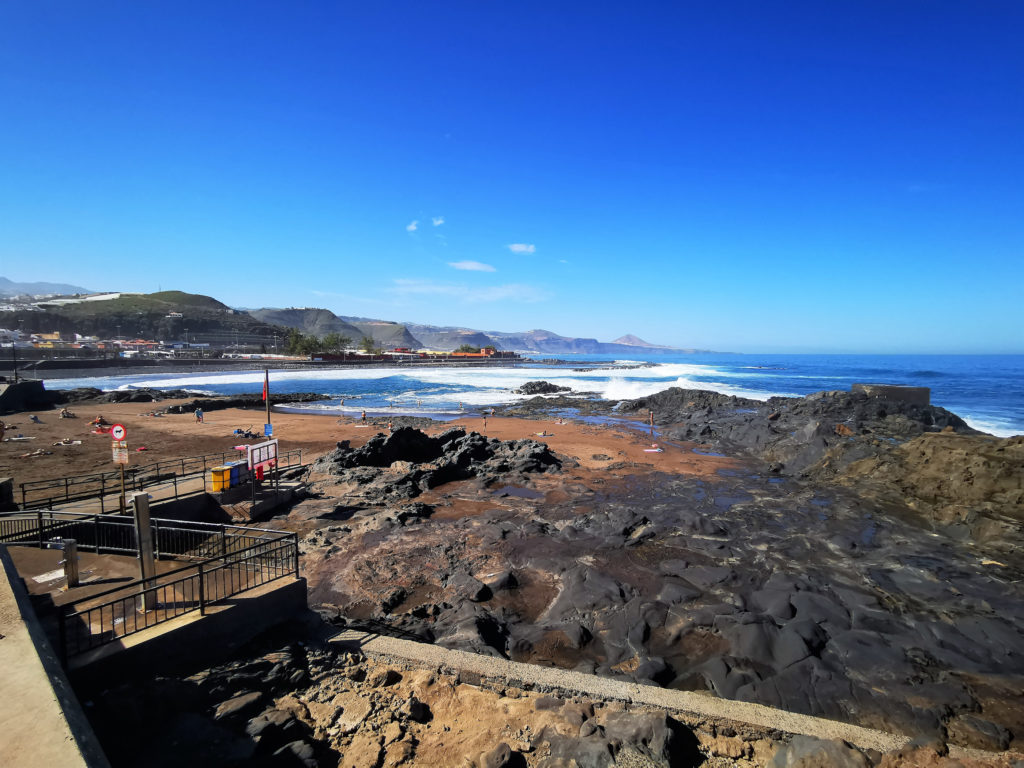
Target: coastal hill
x: 168, y: 315
x: 176, y: 315
x: 311, y: 321
x: 385, y: 333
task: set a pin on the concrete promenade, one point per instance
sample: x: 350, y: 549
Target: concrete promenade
x: 43, y: 723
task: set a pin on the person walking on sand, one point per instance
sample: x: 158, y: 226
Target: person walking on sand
x: 199, y: 415
x: 391, y: 428
x: 363, y: 417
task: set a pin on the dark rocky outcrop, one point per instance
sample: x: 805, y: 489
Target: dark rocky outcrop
x: 818, y: 434
x: 540, y: 388
x: 403, y: 464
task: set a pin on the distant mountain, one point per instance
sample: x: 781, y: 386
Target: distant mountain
x: 11, y: 288
x: 314, y: 322
x: 386, y: 333
x: 436, y: 337
x: 635, y: 341
x: 536, y: 341
x: 176, y: 315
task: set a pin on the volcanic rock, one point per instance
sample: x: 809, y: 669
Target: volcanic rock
x: 392, y: 468
x: 540, y: 388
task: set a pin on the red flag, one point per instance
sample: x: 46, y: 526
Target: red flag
x: 266, y: 383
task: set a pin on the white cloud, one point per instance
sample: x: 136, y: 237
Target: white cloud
x: 438, y: 220
x: 471, y: 266
x: 411, y: 226
x: 522, y: 248
x: 517, y: 292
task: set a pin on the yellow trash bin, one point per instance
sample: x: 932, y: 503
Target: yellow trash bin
x: 220, y: 477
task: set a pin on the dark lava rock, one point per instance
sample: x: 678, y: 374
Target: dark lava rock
x: 626, y: 738
x: 540, y: 388
x: 822, y: 432
x: 399, y: 466
x: 241, y: 706
x: 809, y: 752
x: 973, y: 731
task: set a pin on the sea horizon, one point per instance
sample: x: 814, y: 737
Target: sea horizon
x: 987, y: 391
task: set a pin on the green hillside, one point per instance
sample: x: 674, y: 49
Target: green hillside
x: 147, y: 315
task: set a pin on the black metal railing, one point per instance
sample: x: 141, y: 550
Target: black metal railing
x: 41, y: 494
x: 109, y: 616
x: 115, y: 534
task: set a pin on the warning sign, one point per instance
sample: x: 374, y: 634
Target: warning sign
x: 262, y: 455
x: 120, y: 451
x: 118, y: 432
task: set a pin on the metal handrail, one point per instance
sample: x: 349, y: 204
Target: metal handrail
x: 136, y: 478
x: 207, y: 584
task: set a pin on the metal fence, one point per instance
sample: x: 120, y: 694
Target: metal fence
x: 41, y: 494
x: 117, y: 613
x: 224, y: 561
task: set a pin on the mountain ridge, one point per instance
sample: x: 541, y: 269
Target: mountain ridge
x: 159, y: 315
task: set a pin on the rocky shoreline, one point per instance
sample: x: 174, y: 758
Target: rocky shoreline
x: 776, y: 581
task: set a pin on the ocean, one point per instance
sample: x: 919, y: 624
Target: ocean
x: 986, y: 390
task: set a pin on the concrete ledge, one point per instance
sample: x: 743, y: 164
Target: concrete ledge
x: 43, y: 723
x: 693, y: 708
x: 194, y: 641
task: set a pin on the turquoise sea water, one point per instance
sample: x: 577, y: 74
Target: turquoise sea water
x: 988, y: 391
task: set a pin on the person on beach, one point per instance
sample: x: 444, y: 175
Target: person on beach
x: 199, y: 415
x: 99, y: 421
x: 391, y: 428
x: 66, y: 414
x: 363, y: 417
x: 650, y: 416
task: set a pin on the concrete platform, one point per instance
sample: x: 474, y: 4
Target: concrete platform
x: 43, y: 723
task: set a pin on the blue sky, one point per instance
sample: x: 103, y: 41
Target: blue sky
x: 744, y: 176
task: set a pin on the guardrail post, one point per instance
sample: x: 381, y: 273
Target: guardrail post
x: 67, y: 496
x: 39, y: 522
x: 144, y: 536
x: 96, y: 530
x: 23, y: 502
x: 202, y: 592
x: 295, y: 552
x: 224, y: 543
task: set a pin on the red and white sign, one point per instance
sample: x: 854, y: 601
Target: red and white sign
x: 262, y: 455
x: 120, y: 451
x: 118, y: 432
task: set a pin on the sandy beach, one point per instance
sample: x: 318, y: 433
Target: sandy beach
x: 178, y: 435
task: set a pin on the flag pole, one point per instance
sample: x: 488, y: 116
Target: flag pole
x: 266, y: 391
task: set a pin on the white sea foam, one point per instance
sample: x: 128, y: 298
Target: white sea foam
x: 993, y: 427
